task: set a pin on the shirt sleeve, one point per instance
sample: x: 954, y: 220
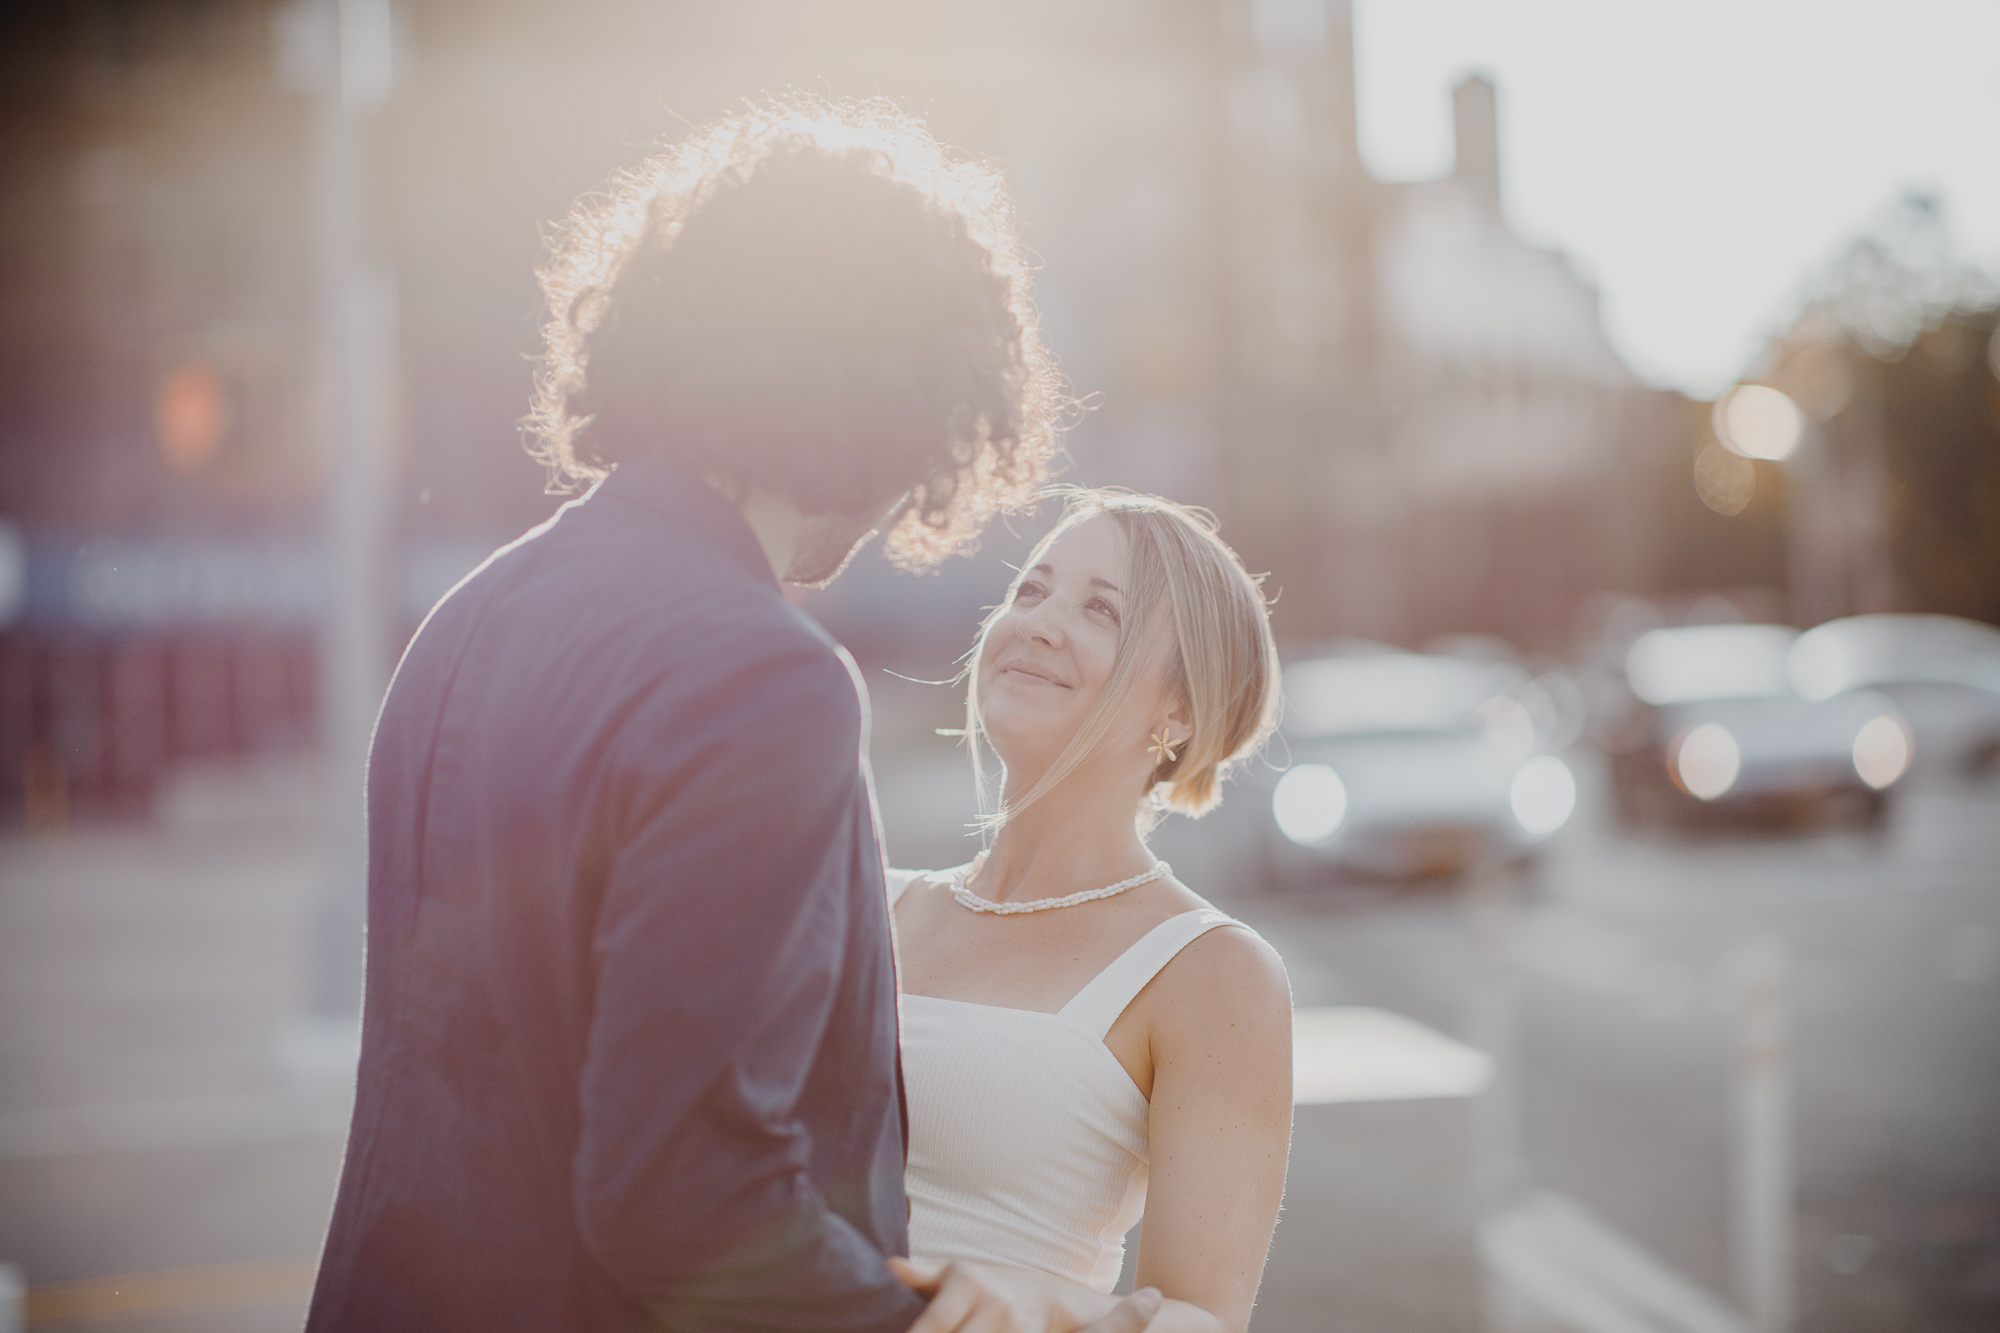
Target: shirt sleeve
x: 743, y: 819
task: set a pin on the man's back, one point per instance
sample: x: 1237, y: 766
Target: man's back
x: 629, y: 1040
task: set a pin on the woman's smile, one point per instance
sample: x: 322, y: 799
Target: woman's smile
x: 1025, y: 673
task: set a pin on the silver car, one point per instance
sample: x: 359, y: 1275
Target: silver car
x: 1715, y: 729
x: 1408, y: 765
x: 1941, y: 672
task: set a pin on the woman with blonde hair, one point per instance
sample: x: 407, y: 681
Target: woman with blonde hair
x: 1086, y: 1040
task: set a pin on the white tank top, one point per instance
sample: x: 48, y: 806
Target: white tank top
x: 1027, y: 1137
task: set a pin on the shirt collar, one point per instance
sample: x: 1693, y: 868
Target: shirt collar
x: 671, y: 491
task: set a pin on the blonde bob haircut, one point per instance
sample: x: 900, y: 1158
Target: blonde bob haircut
x: 1187, y: 597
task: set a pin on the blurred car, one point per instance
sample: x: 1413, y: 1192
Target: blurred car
x: 1941, y: 672
x: 1715, y: 729
x: 1408, y: 766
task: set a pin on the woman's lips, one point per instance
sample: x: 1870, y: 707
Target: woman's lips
x: 1030, y: 673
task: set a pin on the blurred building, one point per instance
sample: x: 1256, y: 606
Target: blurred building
x: 156, y: 480
x: 1406, y: 413
x: 1425, y: 424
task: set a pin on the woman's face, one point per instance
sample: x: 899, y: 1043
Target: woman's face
x: 1047, y: 659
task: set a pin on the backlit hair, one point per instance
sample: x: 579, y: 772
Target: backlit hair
x: 1189, y: 597
x: 811, y: 298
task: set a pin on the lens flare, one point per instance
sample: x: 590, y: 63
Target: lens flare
x: 1757, y: 421
x: 1705, y: 761
x: 1543, y: 795
x: 1882, y: 750
x: 1309, y: 804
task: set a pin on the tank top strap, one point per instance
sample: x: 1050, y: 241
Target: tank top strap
x: 899, y: 882
x: 1097, y: 1006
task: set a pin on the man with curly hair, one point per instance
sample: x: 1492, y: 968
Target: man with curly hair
x: 629, y: 1054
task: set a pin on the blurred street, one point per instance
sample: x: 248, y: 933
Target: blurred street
x: 1621, y: 468
x: 164, y: 1112
x: 156, y: 1112
x: 1621, y: 947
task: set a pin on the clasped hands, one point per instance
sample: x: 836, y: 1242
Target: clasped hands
x: 967, y: 1297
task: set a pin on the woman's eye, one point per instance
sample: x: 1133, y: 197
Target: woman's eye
x: 1103, y: 607
x: 1027, y: 590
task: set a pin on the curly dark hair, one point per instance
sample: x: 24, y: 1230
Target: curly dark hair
x: 809, y: 298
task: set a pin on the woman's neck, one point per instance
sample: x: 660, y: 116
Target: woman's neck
x: 1081, y: 834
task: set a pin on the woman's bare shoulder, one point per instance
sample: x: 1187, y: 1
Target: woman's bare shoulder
x: 1229, y: 972
x: 1236, y: 950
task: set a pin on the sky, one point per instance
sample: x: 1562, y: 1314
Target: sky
x: 1697, y: 159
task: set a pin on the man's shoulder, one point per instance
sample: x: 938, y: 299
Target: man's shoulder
x: 676, y: 615
x: 603, y: 574
x: 635, y: 620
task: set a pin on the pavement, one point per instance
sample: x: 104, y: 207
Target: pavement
x: 170, y: 1135
x: 167, y: 1161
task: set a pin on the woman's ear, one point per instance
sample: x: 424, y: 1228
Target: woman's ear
x: 1180, y: 723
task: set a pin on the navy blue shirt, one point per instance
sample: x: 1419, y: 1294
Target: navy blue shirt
x: 629, y: 1044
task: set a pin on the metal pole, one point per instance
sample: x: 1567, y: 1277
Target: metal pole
x: 338, y: 52
x: 1491, y: 903
x: 1761, y: 1138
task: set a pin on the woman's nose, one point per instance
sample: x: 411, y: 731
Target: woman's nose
x: 1042, y: 626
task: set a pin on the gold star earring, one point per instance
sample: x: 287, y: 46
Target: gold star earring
x: 1162, y: 748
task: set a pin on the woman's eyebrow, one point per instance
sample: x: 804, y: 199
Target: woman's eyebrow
x: 1049, y: 570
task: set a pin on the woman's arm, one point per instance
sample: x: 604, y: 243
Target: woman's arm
x: 1220, y: 1019
x: 994, y: 1298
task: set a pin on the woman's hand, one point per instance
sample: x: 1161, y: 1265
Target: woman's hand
x: 968, y: 1297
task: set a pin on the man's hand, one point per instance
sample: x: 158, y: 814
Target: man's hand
x: 1130, y: 1315
x: 989, y: 1298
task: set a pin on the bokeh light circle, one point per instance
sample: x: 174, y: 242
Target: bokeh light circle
x: 192, y: 413
x: 1508, y: 725
x: 1757, y: 421
x: 1706, y: 761
x: 1725, y: 481
x: 1543, y: 795
x: 1882, y: 750
x: 1309, y: 804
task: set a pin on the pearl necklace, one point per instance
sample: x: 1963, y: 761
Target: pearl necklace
x: 974, y: 903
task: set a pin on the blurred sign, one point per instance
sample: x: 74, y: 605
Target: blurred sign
x: 122, y: 583
x: 113, y: 584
